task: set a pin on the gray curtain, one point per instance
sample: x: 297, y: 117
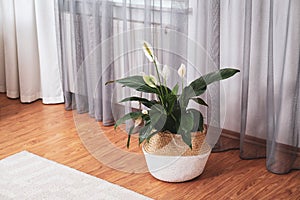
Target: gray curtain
x: 101, y: 40
x: 257, y: 109
x: 263, y: 37
x: 84, y: 25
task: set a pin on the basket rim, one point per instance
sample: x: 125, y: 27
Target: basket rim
x: 155, y: 147
x: 177, y: 156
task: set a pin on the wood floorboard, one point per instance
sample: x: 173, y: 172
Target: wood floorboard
x: 50, y: 131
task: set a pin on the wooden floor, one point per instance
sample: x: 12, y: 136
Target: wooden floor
x: 50, y: 131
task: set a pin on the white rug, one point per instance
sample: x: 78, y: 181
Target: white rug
x: 28, y: 176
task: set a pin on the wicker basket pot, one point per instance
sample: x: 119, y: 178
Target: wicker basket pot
x: 170, y: 159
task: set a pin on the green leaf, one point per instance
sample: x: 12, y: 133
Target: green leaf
x: 129, y: 136
x: 164, y: 89
x: 220, y: 75
x: 132, y: 115
x: 132, y: 81
x: 175, y: 89
x: 145, y: 132
x: 146, y: 118
x: 144, y: 101
x: 186, y: 137
x: 186, y: 126
x: 136, y: 82
x: 170, y: 100
x: 186, y: 122
x: 198, y: 119
x: 189, y: 92
x: 157, y: 108
x: 158, y: 116
x: 200, y: 101
x: 198, y: 86
x: 158, y: 120
x: 147, y: 89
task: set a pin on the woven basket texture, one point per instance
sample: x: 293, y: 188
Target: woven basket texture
x: 169, y: 144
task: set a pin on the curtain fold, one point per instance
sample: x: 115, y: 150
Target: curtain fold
x: 258, y: 109
x: 102, y: 41
x: 87, y: 56
x: 29, y: 66
x: 283, y: 87
x: 266, y: 32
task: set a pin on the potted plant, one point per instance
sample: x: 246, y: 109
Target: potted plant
x: 173, y: 134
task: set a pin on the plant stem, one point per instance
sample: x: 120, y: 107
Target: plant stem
x: 182, y: 85
x: 156, y: 68
x: 173, y: 117
x: 158, y: 76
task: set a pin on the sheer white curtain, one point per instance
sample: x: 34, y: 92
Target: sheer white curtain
x: 263, y: 37
x: 259, y: 107
x: 101, y: 40
x: 29, y: 62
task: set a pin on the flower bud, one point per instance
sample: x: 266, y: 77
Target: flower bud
x: 182, y: 70
x: 148, y: 51
x: 145, y: 112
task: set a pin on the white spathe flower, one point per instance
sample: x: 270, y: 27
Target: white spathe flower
x: 182, y: 70
x: 150, y: 80
x: 148, y: 51
x: 138, y: 121
x: 165, y: 72
x: 145, y: 112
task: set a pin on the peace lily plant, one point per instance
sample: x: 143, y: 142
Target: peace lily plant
x: 169, y: 112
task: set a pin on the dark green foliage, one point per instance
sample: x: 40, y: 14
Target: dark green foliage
x: 169, y: 112
x: 143, y: 101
